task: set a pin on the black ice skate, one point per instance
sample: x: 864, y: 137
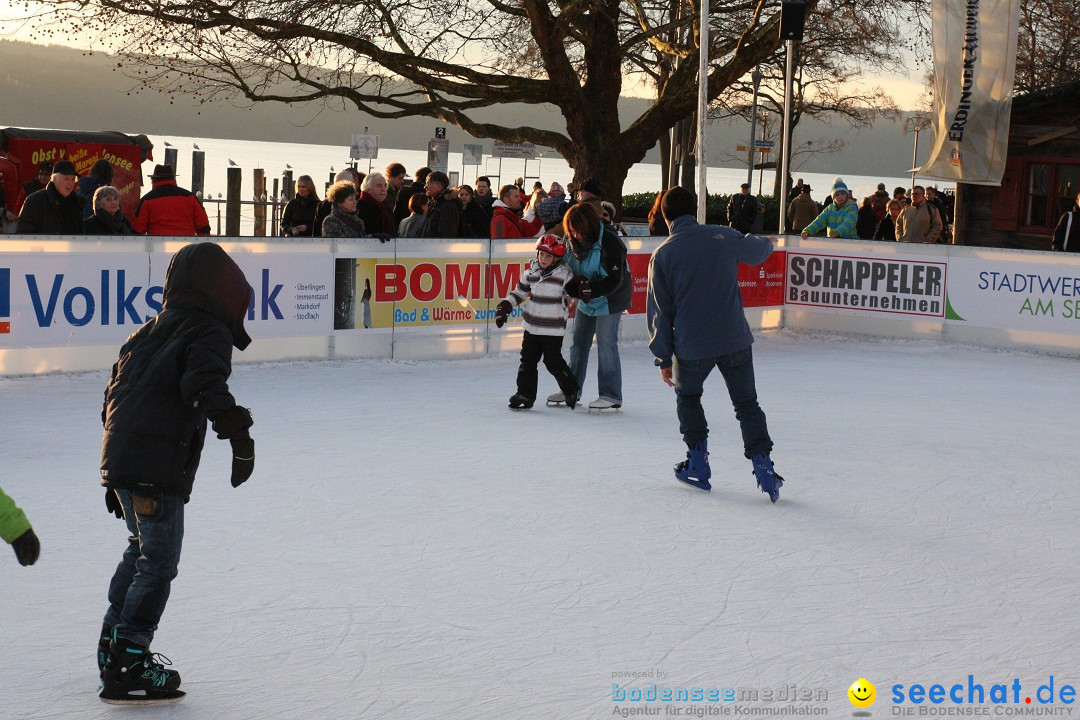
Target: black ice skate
x: 520, y: 402
x: 135, y: 676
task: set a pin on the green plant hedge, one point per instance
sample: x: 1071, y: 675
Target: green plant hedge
x: 637, y: 206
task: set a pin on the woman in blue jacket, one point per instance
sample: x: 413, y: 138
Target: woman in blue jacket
x: 602, y: 286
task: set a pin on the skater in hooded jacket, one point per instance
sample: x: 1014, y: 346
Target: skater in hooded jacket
x: 171, y: 377
x: 15, y: 529
x: 696, y: 323
x: 544, y: 285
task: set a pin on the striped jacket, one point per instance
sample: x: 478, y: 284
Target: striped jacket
x: 840, y: 221
x: 550, y: 306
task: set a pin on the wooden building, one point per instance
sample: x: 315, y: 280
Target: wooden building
x: 1042, y: 175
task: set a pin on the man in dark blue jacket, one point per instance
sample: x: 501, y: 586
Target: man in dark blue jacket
x: 696, y: 323
x: 171, y: 378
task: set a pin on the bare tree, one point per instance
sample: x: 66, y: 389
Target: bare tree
x: 851, y: 39
x: 1048, y: 49
x: 445, y: 59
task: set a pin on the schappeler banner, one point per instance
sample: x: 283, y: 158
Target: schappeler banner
x: 974, y: 66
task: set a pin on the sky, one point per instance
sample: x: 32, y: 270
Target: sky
x: 906, y: 90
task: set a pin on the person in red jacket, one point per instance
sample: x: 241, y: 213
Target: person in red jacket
x: 168, y: 209
x: 506, y: 219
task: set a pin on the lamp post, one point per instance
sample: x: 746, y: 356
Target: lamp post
x: 916, y: 124
x: 702, y: 112
x: 756, y: 78
x: 792, y: 20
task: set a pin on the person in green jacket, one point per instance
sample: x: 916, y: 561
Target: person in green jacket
x: 839, y: 218
x: 16, y: 530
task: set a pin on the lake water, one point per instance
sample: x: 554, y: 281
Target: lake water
x: 319, y: 161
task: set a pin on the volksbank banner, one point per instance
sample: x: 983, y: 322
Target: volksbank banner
x: 68, y: 299
x: 974, y: 66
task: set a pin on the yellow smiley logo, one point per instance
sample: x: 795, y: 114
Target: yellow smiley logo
x: 862, y: 693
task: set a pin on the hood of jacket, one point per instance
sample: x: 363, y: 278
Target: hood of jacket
x: 202, y: 275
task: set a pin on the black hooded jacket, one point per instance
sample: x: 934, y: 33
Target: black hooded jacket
x: 172, y: 376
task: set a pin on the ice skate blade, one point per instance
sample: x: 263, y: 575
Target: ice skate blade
x: 604, y: 410
x: 163, y: 697
x: 694, y: 482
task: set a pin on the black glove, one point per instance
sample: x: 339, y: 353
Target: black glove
x: 243, y: 462
x: 502, y: 310
x: 232, y: 422
x: 579, y: 287
x: 112, y: 503
x: 381, y: 237
x: 27, y: 548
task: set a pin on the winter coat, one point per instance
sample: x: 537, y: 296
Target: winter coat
x: 1067, y: 232
x: 839, y: 221
x: 475, y: 223
x: 411, y: 226
x: 13, y: 522
x: 170, y: 210
x: 299, y: 211
x: 694, y: 308
x: 374, y: 215
x: 801, y: 212
x: 603, y: 264
x: 443, y: 219
x: 918, y: 224
x: 321, y: 213
x: 549, y: 305
x: 505, y: 223
x: 866, y: 223
x: 886, y: 229
x: 401, y: 208
x: 337, y: 224
x: 172, y: 376
x: 47, y: 212
x: 101, y: 223
x: 741, y: 210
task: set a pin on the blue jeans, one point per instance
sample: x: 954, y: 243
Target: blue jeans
x: 738, y: 371
x: 140, y: 586
x: 609, y: 370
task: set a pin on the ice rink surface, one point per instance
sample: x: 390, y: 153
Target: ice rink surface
x: 409, y: 548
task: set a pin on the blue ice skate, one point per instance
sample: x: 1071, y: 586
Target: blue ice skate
x: 767, y: 478
x: 694, y: 470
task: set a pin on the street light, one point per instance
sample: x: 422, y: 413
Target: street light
x: 756, y: 78
x: 916, y: 124
x: 792, y: 20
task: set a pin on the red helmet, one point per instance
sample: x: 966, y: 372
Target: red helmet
x: 551, y: 244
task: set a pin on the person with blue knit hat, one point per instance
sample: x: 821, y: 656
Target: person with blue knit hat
x: 839, y: 218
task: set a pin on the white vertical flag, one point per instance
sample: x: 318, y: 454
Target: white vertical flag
x: 974, y: 66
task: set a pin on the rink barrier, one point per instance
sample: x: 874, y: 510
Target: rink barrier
x: 67, y: 303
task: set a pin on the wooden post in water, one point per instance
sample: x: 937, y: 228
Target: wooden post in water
x: 275, y: 226
x: 198, y: 173
x: 288, y: 188
x: 232, y: 202
x: 171, y: 157
x: 260, y: 203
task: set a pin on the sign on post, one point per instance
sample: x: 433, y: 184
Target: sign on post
x: 514, y: 150
x: 438, y: 155
x: 364, y: 147
x: 472, y: 155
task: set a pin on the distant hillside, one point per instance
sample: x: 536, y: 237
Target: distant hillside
x: 60, y: 87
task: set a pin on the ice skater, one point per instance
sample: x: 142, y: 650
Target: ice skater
x: 170, y: 378
x: 544, y: 285
x: 696, y: 323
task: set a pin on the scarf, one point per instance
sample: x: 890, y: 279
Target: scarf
x: 351, y: 220
x: 116, y: 224
x: 384, y: 215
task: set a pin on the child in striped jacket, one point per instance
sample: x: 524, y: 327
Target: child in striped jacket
x: 544, y: 283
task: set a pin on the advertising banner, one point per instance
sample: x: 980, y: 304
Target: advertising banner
x: 974, y: 67
x: 1003, y: 294
x: 70, y: 299
x: 431, y: 290
x: 836, y: 283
